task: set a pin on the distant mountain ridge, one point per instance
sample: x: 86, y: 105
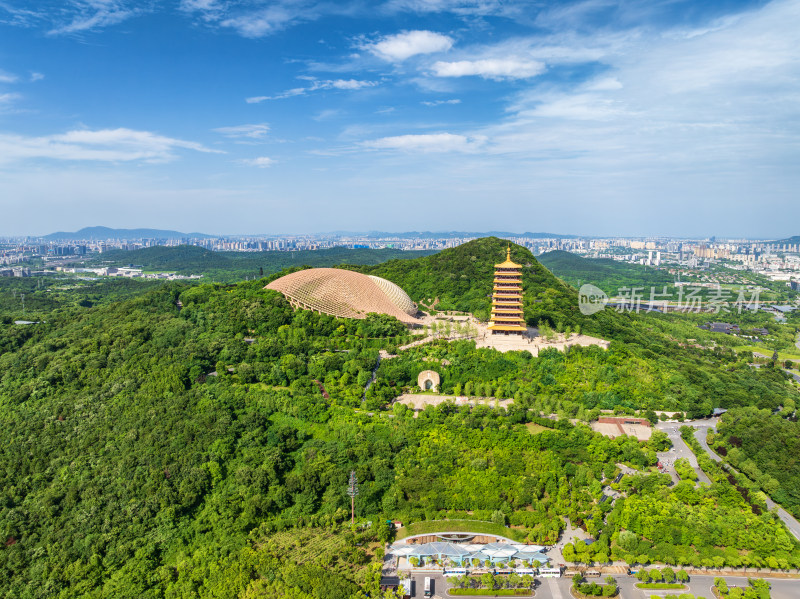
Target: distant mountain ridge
x: 234, y: 266
x: 790, y: 240
x: 109, y: 233
x: 449, y: 234
x: 99, y: 233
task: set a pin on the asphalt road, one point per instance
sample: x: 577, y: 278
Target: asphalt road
x: 700, y: 586
x: 796, y: 377
x: 791, y: 523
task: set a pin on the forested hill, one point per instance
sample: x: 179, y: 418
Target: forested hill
x: 233, y: 266
x: 460, y: 278
x: 609, y: 275
x: 128, y: 471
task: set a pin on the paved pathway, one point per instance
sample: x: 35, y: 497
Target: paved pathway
x: 418, y: 401
x: 555, y: 590
x: 568, y: 535
x: 680, y: 450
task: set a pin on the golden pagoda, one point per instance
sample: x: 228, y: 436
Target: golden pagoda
x: 507, y: 299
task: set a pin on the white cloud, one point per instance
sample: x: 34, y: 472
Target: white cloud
x: 578, y: 107
x: 427, y: 142
x: 459, y: 7
x: 19, y: 17
x: 342, y: 84
x: 490, y: 68
x: 604, y: 84
x: 260, y: 162
x: 6, y: 99
x: 440, y: 102
x: 71, y: 16
x: 324, y: 115
x: 94, y: 14
x: 702, y: 124
x: 7, y: 77
x: 254, y: 131
x: 104, y: 145
x: 36, y: 76
x: 200, y: 5
x: 404, y: 45
x: 289, y: 93
x: 262, y: 22
x: 260, y: 18
x: 719, y: 106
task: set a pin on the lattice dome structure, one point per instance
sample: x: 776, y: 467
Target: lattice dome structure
x: 397, y: 296
x: 345, y: 294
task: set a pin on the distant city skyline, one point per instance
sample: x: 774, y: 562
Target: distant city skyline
x: 591, y: 118
x: 158, y: 233
x: 99, y: 234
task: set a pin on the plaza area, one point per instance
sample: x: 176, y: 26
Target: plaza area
x: 418, y: 401
x: 466, y: 326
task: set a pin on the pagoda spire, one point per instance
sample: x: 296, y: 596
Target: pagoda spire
x: 507, y: 316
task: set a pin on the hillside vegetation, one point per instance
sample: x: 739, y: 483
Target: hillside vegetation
x: 766, y: 448
x: 461, y: 279
x: 605, y: 273
x: 154, y: 451
x: 651, y: 363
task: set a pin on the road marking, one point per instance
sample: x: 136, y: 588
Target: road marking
x: 554, y: 590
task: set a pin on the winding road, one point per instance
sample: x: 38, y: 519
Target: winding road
x: 701, y: 430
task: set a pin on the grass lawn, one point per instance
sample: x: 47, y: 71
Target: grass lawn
x: 534, y: 428
x: 477, y: 526
x: 782, y: 355
x: 494, y: 593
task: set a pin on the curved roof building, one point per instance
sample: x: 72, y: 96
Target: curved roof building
x: 345, y: 294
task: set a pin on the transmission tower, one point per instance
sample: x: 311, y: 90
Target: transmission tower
x: 352, y: 490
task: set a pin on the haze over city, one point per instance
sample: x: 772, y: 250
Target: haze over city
x: 590, y: 118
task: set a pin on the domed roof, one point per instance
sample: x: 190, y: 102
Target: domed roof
x: 345, y: 294
x: 396, y: 295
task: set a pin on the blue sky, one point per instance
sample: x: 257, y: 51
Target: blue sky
x: 592, y: 117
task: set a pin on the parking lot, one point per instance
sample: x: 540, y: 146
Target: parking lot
x: 679, y: 450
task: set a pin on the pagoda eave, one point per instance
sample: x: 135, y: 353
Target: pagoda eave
x: 510, y: 328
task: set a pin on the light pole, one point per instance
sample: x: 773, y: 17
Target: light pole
x: 352, y: 491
